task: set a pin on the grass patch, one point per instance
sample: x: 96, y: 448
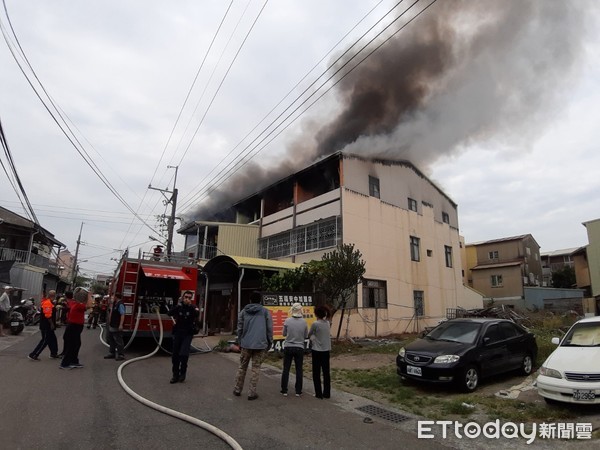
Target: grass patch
x: 437, y: 402
x: 457, y: 408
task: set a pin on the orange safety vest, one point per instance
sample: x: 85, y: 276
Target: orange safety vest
x: 47, y: 308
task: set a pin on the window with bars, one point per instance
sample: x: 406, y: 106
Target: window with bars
x: 419, y: 303
x: 323, y: 234
x: 374, y: 294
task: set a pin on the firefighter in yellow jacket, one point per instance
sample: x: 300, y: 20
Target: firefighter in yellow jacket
x: 47, y: 327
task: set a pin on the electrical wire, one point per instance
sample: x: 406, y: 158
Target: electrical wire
x: 225, y: 173
x: 179, y: 116
x: 13, y: 167
x: 185, y: 200
x: 206, y: 111
x: 70, y: 135
x: 240, y: 163
x: 221, y: 83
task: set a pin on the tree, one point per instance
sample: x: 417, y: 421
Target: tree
x: 99, y: 289
x: 564, y: 278
x: 339, y: 272
x: 335, y: 276
x: 296, y: 280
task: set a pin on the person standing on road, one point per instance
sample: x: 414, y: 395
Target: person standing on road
x: 255, y: 335
x: 115, y: 329
x: 4, y: 308
x: 47, y: 327
x: 320, y: 338
x: 82, y: 300
x: 94, y: 313
x: 295, y: 331
x: 186, y: 317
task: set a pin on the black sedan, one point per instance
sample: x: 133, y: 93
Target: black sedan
x: 463, y: 351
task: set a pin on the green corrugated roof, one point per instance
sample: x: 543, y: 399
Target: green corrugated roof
x: 247, y: 262
x: 259, y: 263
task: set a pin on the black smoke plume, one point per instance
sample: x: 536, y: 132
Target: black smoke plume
x: 485, y: 72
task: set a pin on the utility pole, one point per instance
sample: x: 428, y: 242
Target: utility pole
x: 76, y: 255
x: 173, y: 202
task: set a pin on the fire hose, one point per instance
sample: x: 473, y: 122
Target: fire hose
x: 171, y: 412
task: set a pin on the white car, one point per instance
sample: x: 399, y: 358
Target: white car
x: 572, y: 372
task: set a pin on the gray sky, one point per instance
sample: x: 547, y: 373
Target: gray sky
x: 498, y: 106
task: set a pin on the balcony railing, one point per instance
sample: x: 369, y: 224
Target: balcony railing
x: 24, y: 256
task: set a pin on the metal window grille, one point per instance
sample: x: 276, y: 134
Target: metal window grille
x: 419, y: 303
x: 323, y: 234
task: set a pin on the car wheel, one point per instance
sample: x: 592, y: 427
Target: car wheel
x: 470, y: 379
x: 526, y: 365
x: 551, y: 401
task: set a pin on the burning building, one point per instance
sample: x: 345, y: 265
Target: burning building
x: 404, y: 225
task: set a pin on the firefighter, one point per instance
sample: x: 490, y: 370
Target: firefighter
x: 103, y: 309
x: 186, y: 318
x: 94, y: 313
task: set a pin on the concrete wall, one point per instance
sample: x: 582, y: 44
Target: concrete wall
x: 382, y: 230
x: 535, y: 296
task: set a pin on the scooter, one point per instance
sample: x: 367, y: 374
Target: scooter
x: 16, y: 321
x: 27, y: 308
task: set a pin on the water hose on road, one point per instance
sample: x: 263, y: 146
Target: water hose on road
x: 135, y: 329
x: 171, y: 412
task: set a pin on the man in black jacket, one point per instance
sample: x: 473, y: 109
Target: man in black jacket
x: 115, y: 329
x: 186, y: 316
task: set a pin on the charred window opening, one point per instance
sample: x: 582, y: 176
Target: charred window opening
x: 279, y: 197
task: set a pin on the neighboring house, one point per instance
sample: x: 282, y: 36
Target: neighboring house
x: 65, y: 263
x: 104, y: 279
x: 502, y: 268
x: 25, y: 250
x: 582, y: 270
x: 554, y: 261
x: 403, y: 224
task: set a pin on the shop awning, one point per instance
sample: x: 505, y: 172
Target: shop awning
x: 163, y: 272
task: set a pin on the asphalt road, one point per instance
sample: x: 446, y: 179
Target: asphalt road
x: 42, y: 406
x: 45, y: 407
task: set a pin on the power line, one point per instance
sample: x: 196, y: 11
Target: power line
x: 186, y: 201
x: 180, y: 113
x: 221, y: 84
x: 247, y: 155
x: 17, y: 179
x: 70, y: 135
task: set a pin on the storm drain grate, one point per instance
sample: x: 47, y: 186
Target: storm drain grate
x: 383, y: 413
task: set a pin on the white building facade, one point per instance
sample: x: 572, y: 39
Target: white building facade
x: 405, y: 227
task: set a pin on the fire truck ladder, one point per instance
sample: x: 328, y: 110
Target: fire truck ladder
x: 130, y: 283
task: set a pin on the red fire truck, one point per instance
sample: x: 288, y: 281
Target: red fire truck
x: 148, y: 283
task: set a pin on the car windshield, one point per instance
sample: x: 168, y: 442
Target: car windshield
x: 464, y: 332
x: 583, y: 335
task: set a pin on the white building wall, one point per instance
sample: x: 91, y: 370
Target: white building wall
x: 381, y: 230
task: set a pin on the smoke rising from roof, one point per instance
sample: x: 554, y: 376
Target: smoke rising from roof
x: 488, y: 72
